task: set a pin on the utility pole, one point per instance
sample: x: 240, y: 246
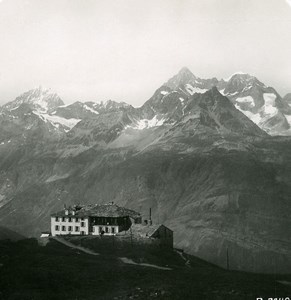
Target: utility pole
x: 227, y: 259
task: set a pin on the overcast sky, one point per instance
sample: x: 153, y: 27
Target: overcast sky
x: 93, y: 50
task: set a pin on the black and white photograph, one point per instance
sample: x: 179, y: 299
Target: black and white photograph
x: 145, y: 149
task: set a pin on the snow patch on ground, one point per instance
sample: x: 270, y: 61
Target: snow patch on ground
x: 288, y: 118
x: 91, y: 110
x: 56, y: 121
x: 57, y: 177
x: 181, y: 99
x: 14, y: 108
x: 269, y: 107
x: 267, y: 111
x: 232, y: 94
x: 164, y: 92
x: 146, y: 123
x: 248, y: 99
x: 222, y: 92
x: 41, y: 103
x: 65, y: 105
x: 247, y: 88
x: 192, y: 90
x: 256, y: 118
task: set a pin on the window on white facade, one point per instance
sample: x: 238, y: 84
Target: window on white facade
x: 70, y: 228
x: 77, y: 219
x: 77, y: 228
x: 57, y: 228
x: 63, y: 219
x: 63, y: 228
x: 82, y: 224
x: 70, y: 219
x: 57, y: 219
x: 112, y: 229
x: 106, y: 229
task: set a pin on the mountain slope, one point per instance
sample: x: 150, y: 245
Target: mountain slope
x: 206, y: 170
x: 287, y: 98
x: 7, y: 234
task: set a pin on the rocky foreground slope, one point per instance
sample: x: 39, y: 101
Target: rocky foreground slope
x: 206, y: 170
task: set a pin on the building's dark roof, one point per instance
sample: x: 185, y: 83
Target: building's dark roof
x: 99, y: 210
x: 144, y: 230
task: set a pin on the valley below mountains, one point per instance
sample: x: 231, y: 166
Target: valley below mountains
x: 211, y: 159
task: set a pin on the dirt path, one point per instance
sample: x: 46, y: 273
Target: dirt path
x: 131, y: 262
x: 187, y: 262
x: 66, y: 243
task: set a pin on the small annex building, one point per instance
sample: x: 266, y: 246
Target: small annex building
x: 155, y: 232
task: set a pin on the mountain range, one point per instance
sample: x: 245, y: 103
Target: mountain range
x: 211, y: 158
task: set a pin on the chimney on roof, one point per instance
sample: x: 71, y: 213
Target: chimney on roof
x: 66, y: 210
x: 150, y: 217
x: 77, y: 207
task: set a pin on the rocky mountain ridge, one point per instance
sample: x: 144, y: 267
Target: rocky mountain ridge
x: 206, y: 170
x: 261, y: 104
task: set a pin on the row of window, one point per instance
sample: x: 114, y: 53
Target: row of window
x: 105, y: 229
x: 64, y: 219
x: 64, y: 228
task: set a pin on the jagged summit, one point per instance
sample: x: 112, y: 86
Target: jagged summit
x: 180, y: 79
x: 40, y: 99
x: 234, y: 74
x: 185, y: 72
x: 245, y: 78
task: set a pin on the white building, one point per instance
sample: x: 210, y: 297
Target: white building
x: 107, y: 219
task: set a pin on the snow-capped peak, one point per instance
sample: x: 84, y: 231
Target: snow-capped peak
x: 41, y: 99
x: 236, y: 73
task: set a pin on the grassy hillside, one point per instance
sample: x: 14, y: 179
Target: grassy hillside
x: 55, y: 271
x: 7, y: 234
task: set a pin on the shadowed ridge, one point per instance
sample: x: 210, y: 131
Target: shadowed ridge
x: 7, y: 234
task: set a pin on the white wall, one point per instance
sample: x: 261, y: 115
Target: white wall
x: 96, y: 229
x: 66, y: 223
